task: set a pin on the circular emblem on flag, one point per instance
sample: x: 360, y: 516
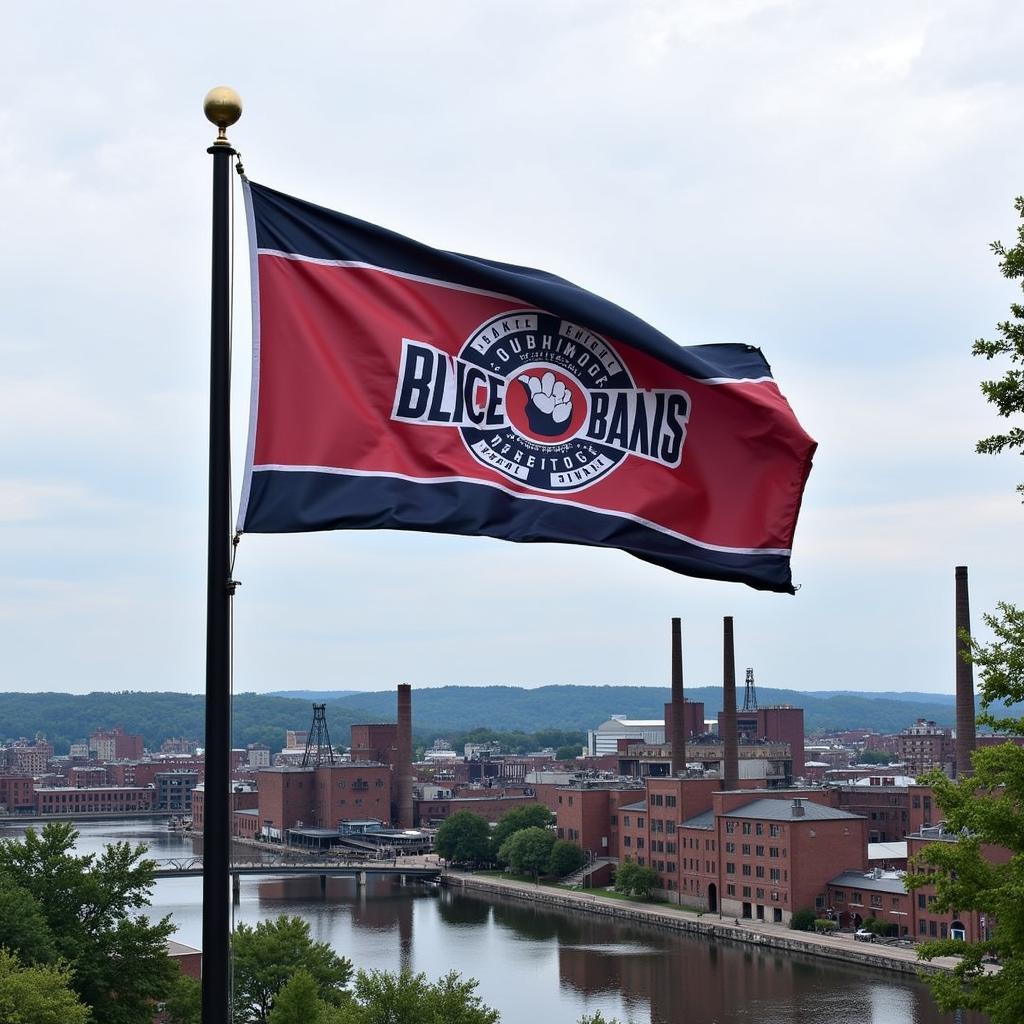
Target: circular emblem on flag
x: 552, y: 369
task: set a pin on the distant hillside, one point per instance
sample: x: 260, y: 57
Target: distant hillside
x: 441, y: 711
x: 312, y: 695
x: 64, y: 717
x: 585, y: 707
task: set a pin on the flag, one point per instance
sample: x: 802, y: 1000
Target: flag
x: 401, y: 387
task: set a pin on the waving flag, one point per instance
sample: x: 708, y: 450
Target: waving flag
x: 401, y: 387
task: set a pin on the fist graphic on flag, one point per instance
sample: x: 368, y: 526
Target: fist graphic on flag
x: 549, y: 404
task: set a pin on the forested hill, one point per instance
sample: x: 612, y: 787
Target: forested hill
x: 64, y: 717
x: 263, y: 718
x: 586, y: 707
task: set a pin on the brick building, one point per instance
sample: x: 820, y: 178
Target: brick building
x: 376, y: 742
x: 69, y: 800
x: 924, y: 746
x: 17, y: 794
x: 323, y: 796
x: 884, y: 801
x: 174, y: 790
x: 776, y: 724
x: 115, y: 744
x: 491, y: 804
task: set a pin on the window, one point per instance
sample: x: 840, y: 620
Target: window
x: 625, y: 821
x: 759, y: 851
x: 759, y: 871
x: 670, y: 827
x: 759, y: 829
x: 730, y: 889
x: 773, y: 830
x: 760, y: 894
x: 921, y: 901
x: 746, y: 891
x: 773, y: 851
x: 775, y: 875
x: 614, y: 818
x: 730, y: 847
x: 746, y: 828
x: 627, y: 841
x: 746, y: 849
x: 639, y: 842
x: 876, y: 901
x: 670, y: 801
x: 745, y: 869
x: 856, y: 897
x: 730, y: 827
x: 730, y: 868
x: 840, y: 896
x: 655, y: 799
x: 670, y: 847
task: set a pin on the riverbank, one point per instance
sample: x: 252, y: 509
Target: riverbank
x: 758, y: 933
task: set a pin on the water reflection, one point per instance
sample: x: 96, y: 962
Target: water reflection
x: 540, y: 966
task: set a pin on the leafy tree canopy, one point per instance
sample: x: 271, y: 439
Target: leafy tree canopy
x: 267, y: 955
x: 465, y: 838
x: 89, y: 905
x: 528, y: 850
x: 564, y: 859
x: 1007, y: 392
x: 635, y: 879
x: 985, y: 810
x: 528, y: 816
x: 380, y: 997
x: 38, y: 994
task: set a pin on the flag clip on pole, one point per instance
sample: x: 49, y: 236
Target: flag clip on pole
x: 223, y: 107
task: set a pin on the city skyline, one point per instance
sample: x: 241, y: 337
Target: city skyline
x: 822, y: 185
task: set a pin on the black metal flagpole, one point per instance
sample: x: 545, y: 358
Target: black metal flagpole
x: 223, y: 107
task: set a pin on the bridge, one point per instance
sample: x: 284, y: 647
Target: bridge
x: 192, y: 867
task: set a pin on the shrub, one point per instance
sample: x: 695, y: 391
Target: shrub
x: 802, y: 920
x: 824, y: 927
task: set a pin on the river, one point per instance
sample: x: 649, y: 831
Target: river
x: 542, y: 966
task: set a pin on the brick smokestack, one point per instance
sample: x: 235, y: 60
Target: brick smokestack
x: 404, y: 766
x: 965, y: 736
x: 730, y: 741
x: 678, y: 737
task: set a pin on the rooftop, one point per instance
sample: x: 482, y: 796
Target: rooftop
x: 878, y: 881
x: 782, y: 810
x: 640, y: 805
x: 705, y: 820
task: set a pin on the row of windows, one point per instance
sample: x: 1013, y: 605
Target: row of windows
x: 757, y: 827
x: 662, y: 800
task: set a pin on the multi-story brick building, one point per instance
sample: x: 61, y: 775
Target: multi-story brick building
x: 70, y: 800
x: 24, y: 758
x: 924, y: 746
x: 17, y: 794
x: 884, y: 801
x: 115, y: 744
x: 174, y: 790
x: 491, y: 804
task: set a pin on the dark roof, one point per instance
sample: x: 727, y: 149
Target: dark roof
x: 782, y: 810
x: 704, y: 820
x: 858, y: 880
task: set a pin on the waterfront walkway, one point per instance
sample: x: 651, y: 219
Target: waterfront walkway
x: 761, y: 933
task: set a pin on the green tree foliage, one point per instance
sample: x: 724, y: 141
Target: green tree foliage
x: 564, y: 859
x: 90, y: 904
x: 266, y: 956
x: 23, y: 925
x: 1007, y: 392
x: 299, y: 1002
x: 465, y: 838
x: 635, y: 879
x: 184, y: 1004
x: 802, y: 920
x: 379, y: 997
x: 528, y: 850
x: 528, y: 816
x: 985, y: 809
x: 568, y: 751
x: 38, y: 994
x: 875, y: 757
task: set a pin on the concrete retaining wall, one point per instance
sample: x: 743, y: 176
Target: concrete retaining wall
x: 842, y: 948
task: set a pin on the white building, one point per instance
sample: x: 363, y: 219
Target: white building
x: 604, y: 739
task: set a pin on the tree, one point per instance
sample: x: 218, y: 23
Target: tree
x: 635, y: 879
x: 465, y: 838
x: 802, y: 920
x: 986, y: 810
x: 184, y: 1004
x: 1007, y: 393
x: 38, y: 994
x: 267, y: 955
x: 89, y: 903
x: 568, y: 752
x: 528, y: 816
x: 380, y: 997
x: 564, y: 859
x: 23, y: 926
x: 527, y: 851
x: 299, y: 1002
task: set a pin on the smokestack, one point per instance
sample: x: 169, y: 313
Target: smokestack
x: 730, y: 741
x: 404, y: 767
x: 678, y: 737
x: 965, y: 737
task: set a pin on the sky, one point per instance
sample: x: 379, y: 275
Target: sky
x: 819, y: 179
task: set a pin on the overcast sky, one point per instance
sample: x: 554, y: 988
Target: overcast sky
x: 818, y: 179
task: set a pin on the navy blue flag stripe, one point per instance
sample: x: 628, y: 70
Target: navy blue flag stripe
x: 294, y: 501
x: 288, y: 225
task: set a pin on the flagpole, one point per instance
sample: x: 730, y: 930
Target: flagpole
x: 223, y: 107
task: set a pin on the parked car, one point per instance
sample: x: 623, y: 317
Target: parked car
x: 863, y: 935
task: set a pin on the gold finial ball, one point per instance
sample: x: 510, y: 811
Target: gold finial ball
x: 222, y: 106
